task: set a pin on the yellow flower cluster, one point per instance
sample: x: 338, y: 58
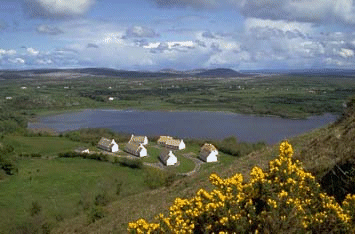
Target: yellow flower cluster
x: 284, y: 198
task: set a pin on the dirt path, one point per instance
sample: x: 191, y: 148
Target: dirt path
x: 197, y: 162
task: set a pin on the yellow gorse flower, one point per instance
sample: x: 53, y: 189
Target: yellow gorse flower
x: 285, y: 193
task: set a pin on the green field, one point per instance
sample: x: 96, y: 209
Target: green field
x: 59, y: 185
x: 46, y: 146
x: 67, y: 187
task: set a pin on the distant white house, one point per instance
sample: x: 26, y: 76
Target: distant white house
x: 8, y: 98
x: 82, y: 150
x: 111, y: 98
x: 108, y: 145
x: 23, y: 87
x: 136, y: 149
x: 208, y: 153
x: 175, y: 144
x: 167, y: 157
x: 139, y: 139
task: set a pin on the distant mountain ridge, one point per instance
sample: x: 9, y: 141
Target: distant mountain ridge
x: 218, y: 72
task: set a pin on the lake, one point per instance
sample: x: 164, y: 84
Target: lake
x: 211, y: 125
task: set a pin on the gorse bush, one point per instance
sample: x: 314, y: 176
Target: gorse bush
x: 285, y: 199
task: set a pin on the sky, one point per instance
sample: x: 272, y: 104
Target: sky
x: 177, y: 34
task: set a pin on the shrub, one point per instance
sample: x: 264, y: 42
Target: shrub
x: 36, y: 155
x: 102, y: 199
x: 230, y: 145
x: 9, y: 166
x: 285, y: 199
x: 93, y: 135
x: 96, y: 213
x: 35, y: 208
x: 94, y: 156
x: 132, y: 163
x: 118, y: 187
x: 155, y: 178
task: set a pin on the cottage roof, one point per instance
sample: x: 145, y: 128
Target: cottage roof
x: 173, y: 142
x: 164, y: 154
x: 164, y: 138
x: 138, y: 139
x: 208, y: 147
x: 105, y: 142
x: 133, y: 147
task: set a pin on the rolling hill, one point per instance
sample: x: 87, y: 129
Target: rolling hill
x: 108, y: 72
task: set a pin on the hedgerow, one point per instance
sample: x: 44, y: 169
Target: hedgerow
x: 283, y: 199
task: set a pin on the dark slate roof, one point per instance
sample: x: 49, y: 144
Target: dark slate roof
x: 105, y: 142
x: 164, y: 155
x: 132, y: 147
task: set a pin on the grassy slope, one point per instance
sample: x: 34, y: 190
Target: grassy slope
x: 332, y: 145
x: 58, y: 184
x: 48, y: 146
x: 149, y: 204
x: 59, y: 193
x: 319, y: 150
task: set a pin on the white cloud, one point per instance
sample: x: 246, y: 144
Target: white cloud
x: 227, y: 58
x: 346, y: 53
x: 169, y: 44
x: 283, y: 25
x: 32, y: 51
x: 17, y: 61
x: 57, y: 8
x: 44, y: 61
x: 7, y: 52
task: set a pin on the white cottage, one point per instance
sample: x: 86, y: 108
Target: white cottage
x: 136, y: 149
x: 108, y: 145
x: 175, y: 144
x: 208, y: 153
x: 167, y: 157
x: 139, y: 140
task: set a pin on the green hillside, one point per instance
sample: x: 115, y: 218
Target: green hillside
x: 319, y: 151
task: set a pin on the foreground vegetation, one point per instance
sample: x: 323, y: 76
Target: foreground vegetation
x: 283, y: 199
x: 43, y: 181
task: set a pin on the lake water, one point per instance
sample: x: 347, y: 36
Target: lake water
x: 212, y: 125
